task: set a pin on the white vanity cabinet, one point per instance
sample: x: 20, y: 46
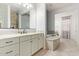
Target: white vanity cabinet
x: 21, y: 45
x: 9, y: 47
x: 31, y: 44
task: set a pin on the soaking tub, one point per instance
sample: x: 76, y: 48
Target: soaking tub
x: 53, y: 42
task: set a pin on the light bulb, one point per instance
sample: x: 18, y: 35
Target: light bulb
x: 29, y: 6
x: 24, y: 5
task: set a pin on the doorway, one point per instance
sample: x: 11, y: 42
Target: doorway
x: 66, y: 27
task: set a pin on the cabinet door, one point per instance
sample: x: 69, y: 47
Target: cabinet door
x: 25, y: 48
x: 41, y: 41
x: 34, y: 45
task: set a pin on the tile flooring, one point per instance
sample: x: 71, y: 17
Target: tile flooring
x: 67, y: 47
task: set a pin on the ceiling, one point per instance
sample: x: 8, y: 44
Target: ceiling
x: 54, y: 6
x: 50, y: 6
x: 15, y: 7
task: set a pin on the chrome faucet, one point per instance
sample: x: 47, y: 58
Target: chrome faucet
x: 23, y: 30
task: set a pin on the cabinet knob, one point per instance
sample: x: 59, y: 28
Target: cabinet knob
x: 9, y: 42
x: 9, y: 52
x: 30, y: 41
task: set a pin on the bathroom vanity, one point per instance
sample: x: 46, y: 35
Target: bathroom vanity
x: 21, y: 44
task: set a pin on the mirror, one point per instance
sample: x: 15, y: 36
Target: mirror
x: 14, y: 19
x: 25, y: 21
x: 13, y: 16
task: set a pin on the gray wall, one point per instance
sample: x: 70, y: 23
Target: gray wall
x: 50, y: 21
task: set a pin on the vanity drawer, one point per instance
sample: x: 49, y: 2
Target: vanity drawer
x: 24, y: 38
x: 34, y: 36
x: 12, y: 50
x: 37, y: 35
x: 9, y: 41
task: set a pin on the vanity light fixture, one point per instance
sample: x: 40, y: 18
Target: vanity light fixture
x: 27, y: 5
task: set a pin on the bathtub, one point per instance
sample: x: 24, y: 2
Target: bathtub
x: 53, y: 42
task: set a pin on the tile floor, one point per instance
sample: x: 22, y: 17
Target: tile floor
x: 67, y: 47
